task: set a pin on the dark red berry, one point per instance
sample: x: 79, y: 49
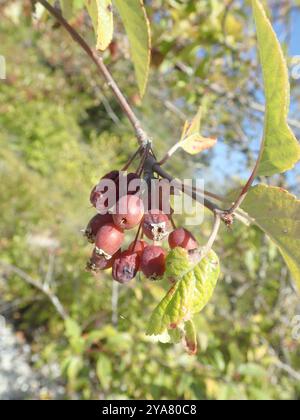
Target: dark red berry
x: 97, y: 197
x: 182, y: 238
x: 153, y: 262
x: 109, y: 239
x: 156, y: 225
x: 126, y: 266
x: 129, y: 212
x: 138, y: 247
x: 103, y: 198
x: 99, y: 263
x: 95, y: 224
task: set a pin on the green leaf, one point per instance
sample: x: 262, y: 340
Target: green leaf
x: 190, y: 337
x: 137, y: 27
x: 101, y: 13
x: 192, y: 289
x: 177, y: 264
x: 280, y: 150
x: 104, y: 370
x: 277, y: 213
x: 67, y: 8
x: 174, y: 307
x: 207, y: 274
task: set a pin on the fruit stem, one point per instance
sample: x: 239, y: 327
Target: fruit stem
x: 143, y: 161
x: 173, y: 222
x: 133, y: 157
x: 137, y: 234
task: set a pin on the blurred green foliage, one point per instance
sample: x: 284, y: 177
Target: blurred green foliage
x: 55, y: 141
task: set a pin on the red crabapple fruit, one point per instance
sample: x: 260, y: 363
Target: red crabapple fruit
x: 109, y: 240
x: 182, y: 238
x: 95, y: 224
x: 129, y: 212
x: 97, y: 195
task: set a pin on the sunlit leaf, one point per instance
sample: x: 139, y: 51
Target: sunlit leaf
x: 280, y: 149
x: 191, y: 140
x: 195, y: 144
x: 101, y: 13
x: 137, y: 27
x: 277, y: 213
x: 193, y: 285
x: 207, y: 274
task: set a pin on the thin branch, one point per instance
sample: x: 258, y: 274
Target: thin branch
x: 245, y: 190
x: 131, y: 160
x: 44, y: 288
x: 182, y: 187
x: 141, y: 135
x: 98, y: 60
x: 202, y: 253
x: 214, y: 233
x: 170, y: 153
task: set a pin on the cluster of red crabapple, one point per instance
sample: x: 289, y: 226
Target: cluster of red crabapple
x: 106, y: 230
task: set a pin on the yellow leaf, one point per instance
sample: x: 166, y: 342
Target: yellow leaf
x: 101, y: 13
x: 195, y: 144
x: 191, y: 140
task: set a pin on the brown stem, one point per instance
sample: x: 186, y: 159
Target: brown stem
x: 143, y: 160
x: 189, y: 191
x: 131, y: 160
x: 245, y: 190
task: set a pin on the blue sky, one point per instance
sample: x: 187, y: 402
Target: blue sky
x: 237, y: 166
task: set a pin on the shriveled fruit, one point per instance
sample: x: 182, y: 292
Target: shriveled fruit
x: 126, y: 266
x: 182, y: 238
x: 156, y: 225
x: 99, y: 263
x: 153, y: 262
x: 129, y: 212
x: 109, y: 239
x: 95, y: 224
